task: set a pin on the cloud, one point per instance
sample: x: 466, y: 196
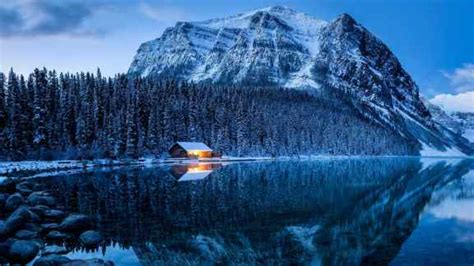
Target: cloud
x: 45, y: 18
x: 462, y: 102
x: 462, y: 79
x: 162, y: 14
x: 9, y: 19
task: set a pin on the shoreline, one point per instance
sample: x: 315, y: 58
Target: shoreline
x: 14, y: 168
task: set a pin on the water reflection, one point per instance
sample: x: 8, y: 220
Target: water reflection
x: 193, y: 171
x: 330, y: 212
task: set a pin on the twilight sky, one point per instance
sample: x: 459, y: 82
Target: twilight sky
x: 434, y: 39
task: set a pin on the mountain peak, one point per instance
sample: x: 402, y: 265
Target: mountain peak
x: 346, y: 19
x: 345, y: 22
x: 277, y: 8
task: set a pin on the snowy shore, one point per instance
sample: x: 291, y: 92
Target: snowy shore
x: 11, y: 168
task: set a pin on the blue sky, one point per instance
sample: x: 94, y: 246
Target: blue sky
x: 434, y: 39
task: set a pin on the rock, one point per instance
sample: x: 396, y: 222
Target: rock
x: 89, y: 262
x: 24, y: 188
x: 54, y: 214
x: 14, y: 201
x: 17, y: 219
x: 25, y: 234
x: 48, y: 250
x: 90, y: 238
x: 7, y: 185
x: 3, y: 230
x: 39, y: 209
x: 3, y: 199
x: 41, y: 198
x: 34, y: 217
x: 51, y: 260
x: 38, y: 187
x: 23, y: 251
x: 76, y: 223
x: 50, y: 226
x: 4, y: 249
x: 56, y: 235
x: 32, y: 227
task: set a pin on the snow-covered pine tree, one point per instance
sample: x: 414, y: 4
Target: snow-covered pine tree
x: 119, y: 117
x: 14, y: 110
x: 132, y: 126
x: 3, y: 117
x: 40, y: 141
x: 25, y: 134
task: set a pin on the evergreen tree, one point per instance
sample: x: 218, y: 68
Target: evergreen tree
x: 40, y: 141
x: 53, y: 116
x: 14, y: 109
x: 132, y: 127
x: 3, y: 117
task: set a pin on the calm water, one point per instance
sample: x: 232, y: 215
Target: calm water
x: 329, y: 212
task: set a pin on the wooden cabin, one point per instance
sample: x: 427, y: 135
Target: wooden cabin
x: 190, y: 150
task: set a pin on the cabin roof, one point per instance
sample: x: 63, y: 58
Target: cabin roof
x: 193, y: 146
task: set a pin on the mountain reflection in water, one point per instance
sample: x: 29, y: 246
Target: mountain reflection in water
x: 327, y: 212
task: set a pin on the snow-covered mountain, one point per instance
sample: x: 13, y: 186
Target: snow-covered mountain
x: 466, y: 121
x: 460, y: 122
x: 277, y: 46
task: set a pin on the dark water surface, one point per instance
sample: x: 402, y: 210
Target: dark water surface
x: 397, y: 211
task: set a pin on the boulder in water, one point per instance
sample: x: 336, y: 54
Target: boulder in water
x: 54, y: 214
x: 23, y: 251
x: 41, y: 198
x: 13, y: 202
x: 76, y: 223
x: 51, y: 260
x: 90, y: 238
x: 16, y: 220
x: 56, y: 235
x: 7, y: 185
x: 25, y: 234
x: 48, y: 250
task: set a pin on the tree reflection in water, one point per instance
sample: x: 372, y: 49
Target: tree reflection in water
x: 330, y: 212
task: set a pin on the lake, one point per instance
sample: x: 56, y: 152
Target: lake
x: 376, y: 211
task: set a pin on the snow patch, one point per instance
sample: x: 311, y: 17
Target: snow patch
x: 429, y: 151
x: 192, y: 146
x: 469, y: 135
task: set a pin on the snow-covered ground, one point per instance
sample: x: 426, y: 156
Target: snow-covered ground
x: 469, y: 134
x: 428, y: 151
x: 12, y: 167
x: 43, y: 166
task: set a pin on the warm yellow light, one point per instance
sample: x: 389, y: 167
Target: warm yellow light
x: 196, y: 153
x: 199, y: 168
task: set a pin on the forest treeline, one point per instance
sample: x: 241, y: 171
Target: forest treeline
x: 47, y: 115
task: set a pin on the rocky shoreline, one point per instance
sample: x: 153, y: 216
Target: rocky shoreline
x: 32, y: 222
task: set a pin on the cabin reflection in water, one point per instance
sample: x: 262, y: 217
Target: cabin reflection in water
x: 191, y: 172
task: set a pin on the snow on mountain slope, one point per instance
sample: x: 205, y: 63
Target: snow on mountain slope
x: 277, y: 46
x: 460, y: 122
x: 466, y: 121
x: 273, y: 45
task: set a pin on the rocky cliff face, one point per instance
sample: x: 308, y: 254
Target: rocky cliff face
x: 277, y: 46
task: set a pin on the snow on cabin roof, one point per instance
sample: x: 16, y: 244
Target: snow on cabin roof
x: 194, y: 146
